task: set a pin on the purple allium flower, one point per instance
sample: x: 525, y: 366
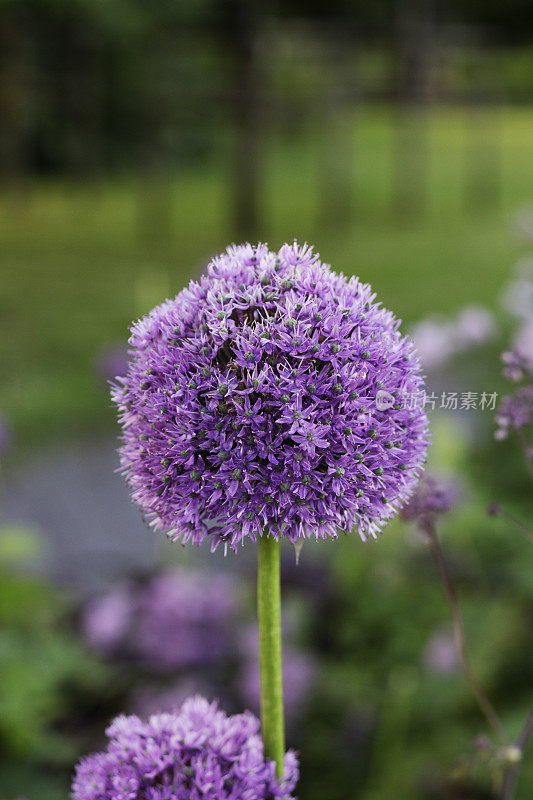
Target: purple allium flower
x: 197, y: 754
x: 514, y: 412
x: 185, y: 619
x: 112, y: 360
x: 430, y: 498
x: 249, y: 404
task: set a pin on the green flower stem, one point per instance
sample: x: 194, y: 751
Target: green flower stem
x: 269, y: 620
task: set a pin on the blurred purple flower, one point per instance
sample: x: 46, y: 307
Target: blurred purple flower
x: 106, y: 620
x: 249, y: 404
x: 197, y: 753
x: 438, y: 339
x: 431, y: 497
x: 111, y: 361
x: 473, y: 326
x: 177, y: 620
x: 515, y: 367
x: 440, y: 654
x: 514, y: 412
x: 186, y: 619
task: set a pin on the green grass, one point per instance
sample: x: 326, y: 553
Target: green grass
x: 77, y: 268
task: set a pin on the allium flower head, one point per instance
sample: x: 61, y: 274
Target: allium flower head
x: 249, y: 404
x: 196, y: 754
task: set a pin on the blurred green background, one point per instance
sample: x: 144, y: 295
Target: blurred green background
x: 137, y: 140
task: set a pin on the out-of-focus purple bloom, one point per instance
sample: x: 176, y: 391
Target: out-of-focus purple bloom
x: 430, y: 498
x: 177, y: 620
x: 249, y: 404
x: 111, y: 361
x: 107, y: 619
x: 196, y: 754
x: 438, y: 339
x: 186, y: 619
x: 299, y: 675
x: 6, y: 436
x: 515, y: 367
x: 440, y: 654
x: 514, y: 412
x: 474, y: 325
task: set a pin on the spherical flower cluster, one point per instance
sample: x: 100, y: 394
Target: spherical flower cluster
x: 177, y: 620
x: 430, y: 498
x: 196, y: 754
x: 250, y: 404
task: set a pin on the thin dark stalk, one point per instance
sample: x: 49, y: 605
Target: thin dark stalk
x: 518, y: 524
x: 458, y: 633
x: 511, y: 773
